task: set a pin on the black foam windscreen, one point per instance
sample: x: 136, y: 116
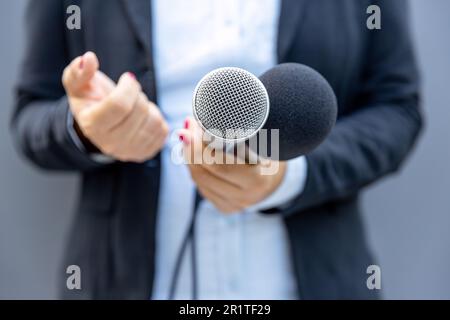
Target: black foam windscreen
x: 303, y: 107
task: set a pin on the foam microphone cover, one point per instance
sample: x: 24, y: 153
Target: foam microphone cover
x: 303, y: 107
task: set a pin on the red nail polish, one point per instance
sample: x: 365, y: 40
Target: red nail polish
x: 81, y: 65
x: 185, y: 139
x: 132, y: 75
x: 187, y: 124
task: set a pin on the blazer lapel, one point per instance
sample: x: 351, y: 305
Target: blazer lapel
x: 140, y: 15
x: 291, y: 15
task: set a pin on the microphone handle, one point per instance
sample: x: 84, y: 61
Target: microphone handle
x: 243, y: 152
x: 239, y: 150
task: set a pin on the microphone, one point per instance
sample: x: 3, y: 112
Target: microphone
x: 303, y: 107
x: 234, y: 106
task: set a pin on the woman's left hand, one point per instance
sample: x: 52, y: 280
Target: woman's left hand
x: 230, y: 187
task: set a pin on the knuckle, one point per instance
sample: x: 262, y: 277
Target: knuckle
x: 196, y: 178
x: 148, y: 155
x: 204, y: 193
x: 111, y: 150
x: 119, y: 104
x: 200, y: 174
x: 223, y: 209
x: 87, y: 127
x: 165, y: 129
x: 158, y: 123
x: 254, y: 183
x: 137, y: 87
x: 266, y: 187
x: 151, y: 103
x: 65, y: 77
x: 142, y: 106
x: 246, y: 203
x: 228, y: 210
x: 241, y: 205
x: 143, y: 98
x: 88, y: 131
x: 157, y: 119
x: 141, y: 138
x: 87, y: 124
x: 225, y: 169
x: 155, y: 113
x: 242, y: 202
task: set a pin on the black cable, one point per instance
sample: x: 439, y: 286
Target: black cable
x: 189, y: 238
x: 194, y: 258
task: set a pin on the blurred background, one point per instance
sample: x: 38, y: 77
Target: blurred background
x: 407, y: 216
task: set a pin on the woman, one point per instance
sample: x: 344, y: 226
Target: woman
x: 295, y: 234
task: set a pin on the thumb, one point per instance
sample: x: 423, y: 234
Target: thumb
x: 79, y: 73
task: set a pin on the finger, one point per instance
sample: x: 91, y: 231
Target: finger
x: 99, y: 88
x: 79, y: 73
x: 124, y: 133
x: 151, y: 146
x: 192, y: 148
x: 223, y: 187
x: 154, y: 142
x: 237, y: 174
x: 146, y: 146
x: 128, y: 128
x: 105, y: 84
x: 152, y: 134
x: 143, y: 133
x: 221, y: 204
x: 196, y: 149
x: 119, y: 104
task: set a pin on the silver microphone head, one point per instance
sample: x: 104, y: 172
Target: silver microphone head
x: 231, y: 104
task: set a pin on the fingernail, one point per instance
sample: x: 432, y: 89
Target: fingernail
x: 81, y: 65
x: 187, y: 124
x: 132, y: 75
x: 184, y: 139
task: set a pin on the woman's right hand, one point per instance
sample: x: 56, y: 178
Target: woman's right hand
x: 118, y: 119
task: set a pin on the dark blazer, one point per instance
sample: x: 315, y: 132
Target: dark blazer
x: 375, y: 79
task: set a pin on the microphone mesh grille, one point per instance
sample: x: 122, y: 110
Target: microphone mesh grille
x: 231, y: 103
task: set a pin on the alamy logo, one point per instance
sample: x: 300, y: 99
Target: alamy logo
x: 73, y: 22
x: 374, y: 20
x: 74, y: 279
x: 374, y: 280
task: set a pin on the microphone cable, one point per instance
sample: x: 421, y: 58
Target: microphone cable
x: 188, y: 239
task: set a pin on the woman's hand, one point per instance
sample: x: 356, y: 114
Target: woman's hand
x: 117, y: 119
x: 230, y: 187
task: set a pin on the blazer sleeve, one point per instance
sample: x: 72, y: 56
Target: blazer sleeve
x: 374, y: 140
x: 39, y: 121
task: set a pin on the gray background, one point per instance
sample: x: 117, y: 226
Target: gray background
x: 407, y: 216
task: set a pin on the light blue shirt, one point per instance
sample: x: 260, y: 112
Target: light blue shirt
x: 246, y: 255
